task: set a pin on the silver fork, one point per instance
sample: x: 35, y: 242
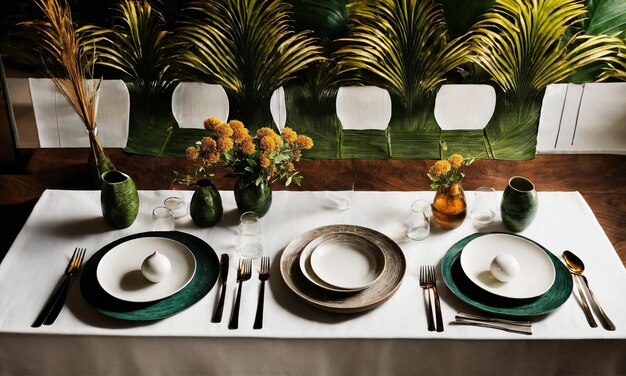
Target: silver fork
x: 264, y: 275
x: 432, y: 281
x: 244, y: 271
x: 426, y: 286
x: 54, y: 305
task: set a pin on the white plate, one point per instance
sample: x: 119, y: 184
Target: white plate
x: 348, y: 262
x: 119, y: 271
x: 536, y: 274
x: 307, y: 269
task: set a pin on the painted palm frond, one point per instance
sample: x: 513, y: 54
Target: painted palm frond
x: 616, y: 70
x: 247, y: 46
x: 403, y: 44
x: 520, y: 44
x: 138, y: 47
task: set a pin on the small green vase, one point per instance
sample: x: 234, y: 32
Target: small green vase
x: 205, y: 207
x: 519, y: 204
x: 252, y: 197
x: 119, y: 199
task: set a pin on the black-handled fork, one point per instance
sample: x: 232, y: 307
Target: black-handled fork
x: 264, y: 275
x: 53, y: 306
x: 244, y: 272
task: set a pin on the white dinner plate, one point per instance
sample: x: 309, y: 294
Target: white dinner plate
x: 536, y: 270
x: 357, y: 259
x: 119, y: 271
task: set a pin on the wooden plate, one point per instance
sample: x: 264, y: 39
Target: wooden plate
x: 371, y: 297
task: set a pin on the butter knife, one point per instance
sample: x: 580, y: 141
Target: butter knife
x: 217, y: 315
x: 495, y: 325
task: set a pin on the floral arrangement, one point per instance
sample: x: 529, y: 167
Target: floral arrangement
x: 445, y: 173
x: 266, y: 155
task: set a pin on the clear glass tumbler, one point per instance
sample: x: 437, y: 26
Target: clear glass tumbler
x: 418, y: 224
x: 483, y: 209
x: 162, y: 219
x: 250, y: 236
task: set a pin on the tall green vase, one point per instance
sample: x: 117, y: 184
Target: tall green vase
x: 119, y: 199
x: 252, y: 197
x: 205, y: 207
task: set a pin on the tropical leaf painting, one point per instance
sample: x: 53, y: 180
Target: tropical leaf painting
x: 310, y: 48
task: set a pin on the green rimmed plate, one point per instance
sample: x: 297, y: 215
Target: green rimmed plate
x: 204, y: 279
x: 468, y: 292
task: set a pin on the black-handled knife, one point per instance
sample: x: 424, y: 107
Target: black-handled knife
x: 217, y: 315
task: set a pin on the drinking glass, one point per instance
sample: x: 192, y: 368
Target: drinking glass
x: 177, y: 205
x: 484, y: 206
x: 162, y: 219
x: 418, y: 224
x: 250, y: 236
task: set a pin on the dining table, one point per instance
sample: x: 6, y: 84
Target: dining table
x: 304, y: 333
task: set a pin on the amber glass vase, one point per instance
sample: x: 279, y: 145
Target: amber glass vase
x: 449, y: 206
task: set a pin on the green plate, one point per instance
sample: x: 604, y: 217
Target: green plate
x: 470, y: 293
x: 207, y: 265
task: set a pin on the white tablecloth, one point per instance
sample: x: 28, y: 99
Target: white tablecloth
x: 295, y: 334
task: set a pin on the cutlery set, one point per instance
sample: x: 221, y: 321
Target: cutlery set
x: 428, y: 282
x: 244, y: 273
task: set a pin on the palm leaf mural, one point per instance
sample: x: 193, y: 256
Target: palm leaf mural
x: 141, y: 50
x: 248, y: 47
x: 139, y: 47
x: 403, y: 46
x: 519, y: 43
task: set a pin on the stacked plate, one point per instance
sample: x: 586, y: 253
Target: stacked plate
x: 343, y: 268
x: 113, y: 283
x: 541, y: 284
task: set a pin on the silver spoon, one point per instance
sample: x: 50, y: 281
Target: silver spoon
x: 576, y: 266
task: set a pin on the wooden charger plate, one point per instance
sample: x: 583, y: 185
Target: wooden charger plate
x: 344, y: 302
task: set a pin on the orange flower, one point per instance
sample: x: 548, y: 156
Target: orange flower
x: 264, y: 161
x: 240, y: 133
x: 304, y: 142
x: 267, y: 143
x: 456, y: 160
x: 211, y: 123
x: 440, y: 168
x: 208, y: 145
x: 192, y: 153
x: 212, y: 157
x: 247, y: 146
x: 223, y: 130
x: 224, y: 144
x: 289, y: 134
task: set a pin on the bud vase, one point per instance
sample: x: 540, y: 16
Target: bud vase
x: 119, y: 199
x: 251, y: 196
x: 449, y: 206
x: 205, y: 207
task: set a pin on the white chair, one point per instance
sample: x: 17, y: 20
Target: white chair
x: 464, y: 106
x: 363, y: 107
x: 58, y: 125
x: 193, y: 102
x: 583, y: 118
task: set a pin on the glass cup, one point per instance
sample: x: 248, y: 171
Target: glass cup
x: 250, y: 236
x: 162, y: 219
x: 177, y: 205
x: 418, y: 224
x: 483, y: 210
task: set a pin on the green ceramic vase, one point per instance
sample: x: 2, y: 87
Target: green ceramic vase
x: 519, y: 204
x: 252, y: 197
x: 205, y: 207
x: 119, y: 199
